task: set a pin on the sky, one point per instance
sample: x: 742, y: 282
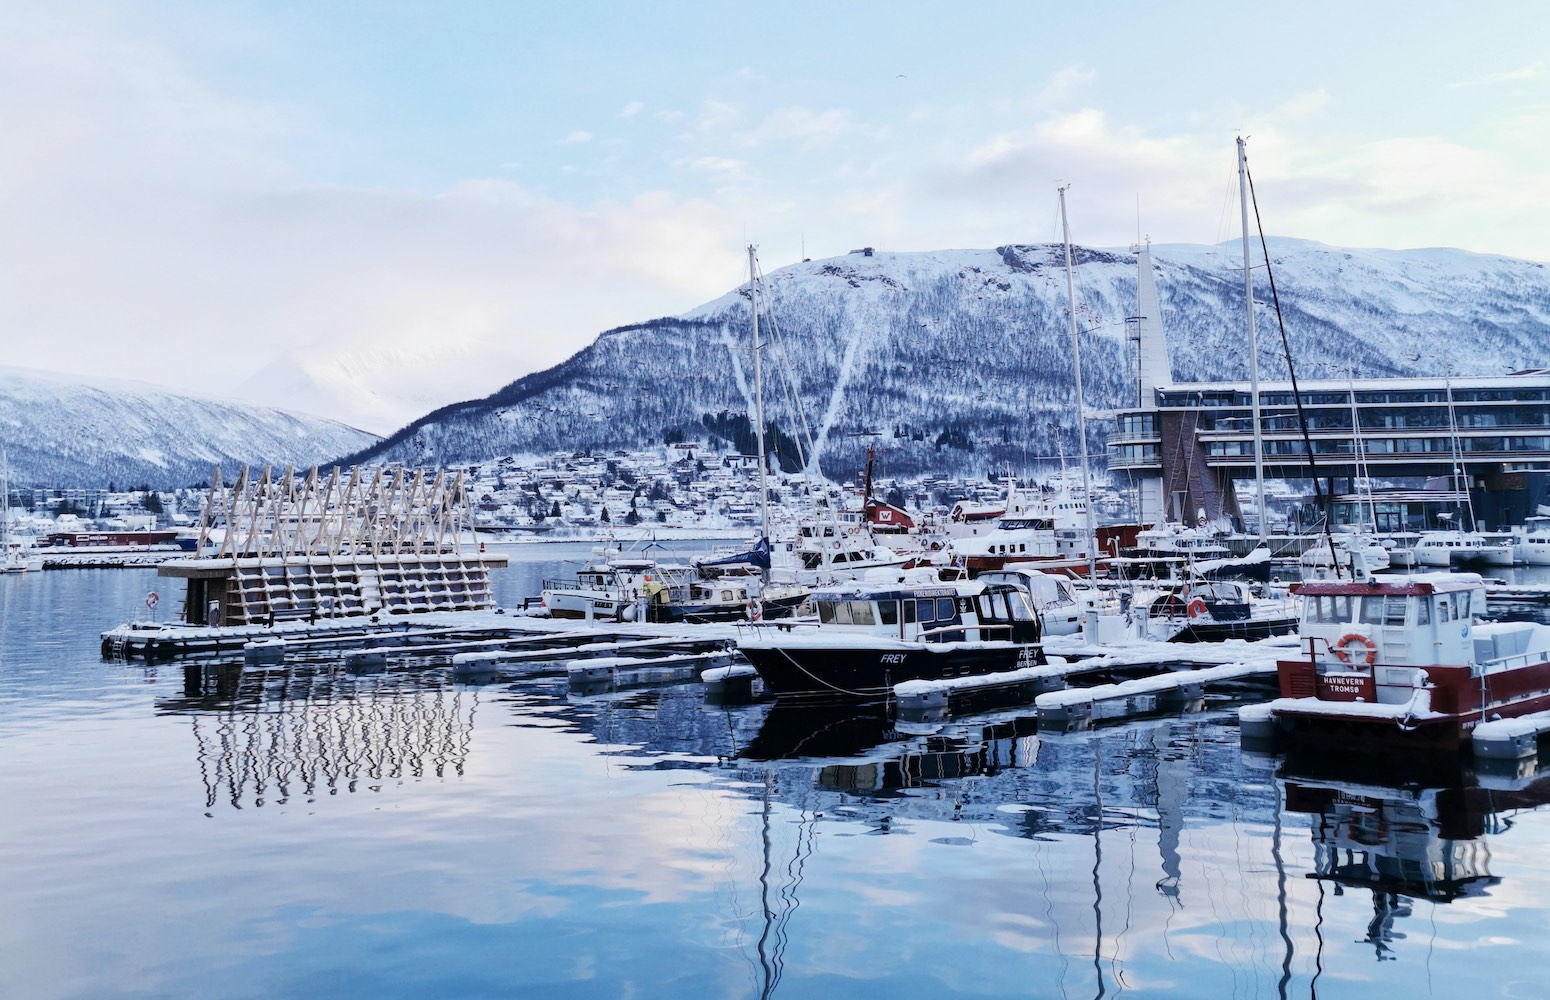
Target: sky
x: 433, y: 199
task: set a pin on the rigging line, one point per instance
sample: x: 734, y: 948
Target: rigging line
x: 785, y: 371
x: 820, y: 680
x: 1291, y: 369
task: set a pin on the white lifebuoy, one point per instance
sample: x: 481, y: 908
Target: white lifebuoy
x: 151, y: 600
x: 1351, y: 642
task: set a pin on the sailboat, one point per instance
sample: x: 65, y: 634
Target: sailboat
x: 12, y: 558
x: 1356, y: 536
x: 1460, y: 545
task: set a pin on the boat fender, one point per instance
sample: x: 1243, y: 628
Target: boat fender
x: 1349, y: 642
x: 1196, y: 608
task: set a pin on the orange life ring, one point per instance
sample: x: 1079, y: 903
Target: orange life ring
x: 1342, y: 649
x: 1196, y: 608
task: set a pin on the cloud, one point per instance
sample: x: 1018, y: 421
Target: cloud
x: 1065, y: 84
x: 1533, y: 71
x: 805, y: 127
x: 158, y: 226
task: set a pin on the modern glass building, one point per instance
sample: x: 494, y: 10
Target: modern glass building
x: 1193, y: 448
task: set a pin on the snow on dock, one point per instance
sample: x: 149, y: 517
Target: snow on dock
x: 1161, y: 683
x: 495, y: 635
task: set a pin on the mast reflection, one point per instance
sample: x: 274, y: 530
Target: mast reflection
x: 266, y: 735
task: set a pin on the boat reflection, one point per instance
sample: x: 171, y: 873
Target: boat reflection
x: 267, y: 735
x: 1422, y: 842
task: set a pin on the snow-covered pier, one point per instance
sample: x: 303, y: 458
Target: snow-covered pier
x: 1135, y: 678
x: 492, y: 637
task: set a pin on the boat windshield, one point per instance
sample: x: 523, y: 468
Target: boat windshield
x: 846, y: 613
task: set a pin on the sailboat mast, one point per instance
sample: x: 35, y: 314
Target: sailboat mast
x: 1081, y: 413
x: 1460, y: 481
x: 758, y: 389
x: 1248, y: 296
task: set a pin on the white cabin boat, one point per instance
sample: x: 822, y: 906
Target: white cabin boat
x: 870, y: 636
x: 1531, y: 541
x: 1445, y: 549
x: 1404, y: 662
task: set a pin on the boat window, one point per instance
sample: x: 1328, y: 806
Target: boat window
x: 1463, y: 605
x: 826, y: 612
x: 861, y: 613
x: 1423, y: 613
x: 909, y: 611
x: 1330, y: 608
x: 1394, y: 611
x: 888, y: 612
x: 1371, y: 611
x: 842, y: 613
x: 944, y: 609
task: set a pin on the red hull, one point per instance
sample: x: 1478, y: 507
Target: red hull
x: 1459, y: 702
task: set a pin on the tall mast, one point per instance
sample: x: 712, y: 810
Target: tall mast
x: 758, y: 389
x: 1081, y: 414
x: 1460, y: 481
x: 1248, y: 296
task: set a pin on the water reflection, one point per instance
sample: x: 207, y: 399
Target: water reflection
x: 266, y: 735
x: 1426, y: 842
x: 1093, y: 860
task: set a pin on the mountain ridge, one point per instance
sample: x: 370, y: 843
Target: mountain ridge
x: 64, y: 432
x: 961, y: 358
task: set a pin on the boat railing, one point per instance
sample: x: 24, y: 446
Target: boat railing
x: 1513, y: 661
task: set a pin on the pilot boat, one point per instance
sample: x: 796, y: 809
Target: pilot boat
x: 1403, y: 662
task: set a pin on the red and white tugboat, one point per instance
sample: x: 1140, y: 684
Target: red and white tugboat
x: 1402, y: 662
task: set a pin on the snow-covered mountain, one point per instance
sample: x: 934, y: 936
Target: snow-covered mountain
x: 59, y: 432
x: 960, y: 361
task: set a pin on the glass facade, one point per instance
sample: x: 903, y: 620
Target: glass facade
x: 1500, y: 421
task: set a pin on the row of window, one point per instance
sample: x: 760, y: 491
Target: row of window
x: 1378, y: 446
x: 1401, y: 418
x: 1340, y: 609
x: 928, y: 612
x: 1181, y: 399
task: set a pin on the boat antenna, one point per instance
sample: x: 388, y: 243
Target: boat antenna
x: 1081, y: 416
x: 1291, y: 369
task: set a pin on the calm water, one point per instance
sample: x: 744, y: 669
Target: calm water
x: 303, y: 831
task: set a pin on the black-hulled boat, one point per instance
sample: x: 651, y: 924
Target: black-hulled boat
x: 872, y: 635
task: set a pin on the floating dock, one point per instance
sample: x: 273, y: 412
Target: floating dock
x: 480, y: 640
x: 1134, y: 680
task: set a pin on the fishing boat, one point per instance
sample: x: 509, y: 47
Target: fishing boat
x: 1403, y: 662
x: 612, y: 588
x: 872, y: 635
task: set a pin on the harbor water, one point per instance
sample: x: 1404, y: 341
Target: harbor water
x: 302, y: 830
